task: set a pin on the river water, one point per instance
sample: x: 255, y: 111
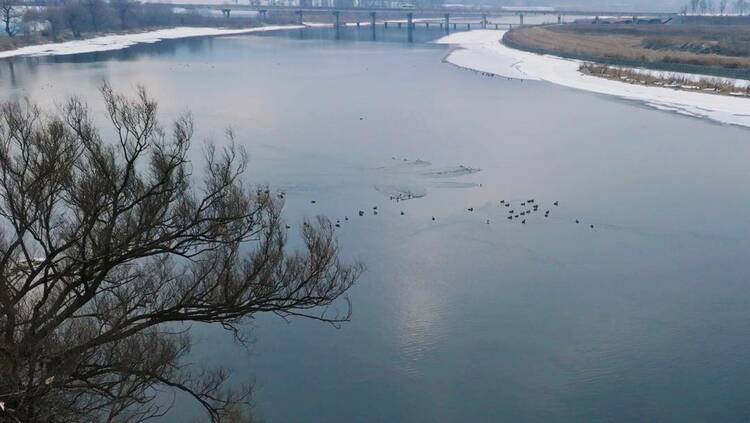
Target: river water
x: 471, y: 316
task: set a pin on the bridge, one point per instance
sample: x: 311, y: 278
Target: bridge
x: 409, y: 12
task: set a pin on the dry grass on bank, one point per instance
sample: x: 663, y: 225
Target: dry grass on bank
x: 667, y: 44
x: 676, y: 81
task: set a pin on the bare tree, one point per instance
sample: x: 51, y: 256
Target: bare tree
x: 123, y: 8
x: 10, y: 15
x: 723, y: 6
x: 76, y: 18
x: 740, y: 6
x: 694, y: 5
x: 703, y: 5
x: 107, y: 248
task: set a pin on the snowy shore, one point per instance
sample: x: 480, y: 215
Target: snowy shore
x: 121, y: 41
x: 482, y: 50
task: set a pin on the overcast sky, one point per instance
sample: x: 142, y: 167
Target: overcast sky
x: 661, y: 5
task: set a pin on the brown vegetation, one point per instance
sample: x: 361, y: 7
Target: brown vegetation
x: 681, y: 82
x: 658, y: 46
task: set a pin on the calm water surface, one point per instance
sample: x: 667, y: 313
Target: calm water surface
x: 646, y: 317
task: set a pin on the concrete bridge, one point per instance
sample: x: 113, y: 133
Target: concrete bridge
x: 409, y: 12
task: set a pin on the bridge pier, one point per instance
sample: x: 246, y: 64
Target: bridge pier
x: 496, y: 27
x: 484, y: 21
x: 410, y: 26
x: 559, y: 19
x: 372, y: 19
x: 337, y: 22
x: 385, y: 25
x: 398, y: 25
x: 635, y: 20
x: 454, y: 26
x: 299, y: 17
x: 521, y: 15
x: 262, y: 14
x: 226, y: 12
x: 447, y: 18
x: 468, y: 26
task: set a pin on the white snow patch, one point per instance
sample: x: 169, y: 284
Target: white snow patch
x: 121, y: 41
x: 482, y: 50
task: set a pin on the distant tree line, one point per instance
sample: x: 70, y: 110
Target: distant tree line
x: 72, y: 18
x: 703, y: 7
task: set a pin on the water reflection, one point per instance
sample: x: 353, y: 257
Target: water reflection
x: 643, y: 319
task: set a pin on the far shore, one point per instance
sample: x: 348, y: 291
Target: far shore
x: 716, y: 51
x: 483, y: 51
x: 121, y: 40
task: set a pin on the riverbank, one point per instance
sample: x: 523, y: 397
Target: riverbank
x: 720, y: 51
x: 121, y: 41
x: 685, y: 82
x: 483, y: 51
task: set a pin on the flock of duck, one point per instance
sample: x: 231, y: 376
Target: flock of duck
x: 517, y: 210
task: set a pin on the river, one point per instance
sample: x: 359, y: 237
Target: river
x: 470, y: 316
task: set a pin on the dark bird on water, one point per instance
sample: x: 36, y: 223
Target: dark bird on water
x: 312, y: 201
x: 433, y: 218
x: 591, y: 226
x: 338, y: 225
x: 556, y: 203
x: 471, y: 209
x: 402, y: 213
x: 510, y: 217
x: 361, y: 213
x: 577, y: 221
x: 523, y: 221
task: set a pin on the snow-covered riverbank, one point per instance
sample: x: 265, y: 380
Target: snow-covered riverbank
x: 482, y: 50
x: 121, y: 41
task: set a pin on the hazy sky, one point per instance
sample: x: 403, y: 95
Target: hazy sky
x: 662, y: 5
